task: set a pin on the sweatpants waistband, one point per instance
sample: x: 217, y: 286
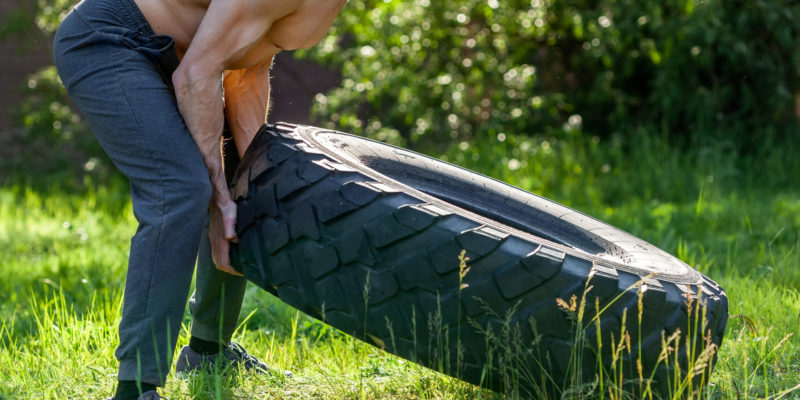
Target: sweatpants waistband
x: 115, y: 12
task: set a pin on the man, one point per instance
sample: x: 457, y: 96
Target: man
x: 149, y: 77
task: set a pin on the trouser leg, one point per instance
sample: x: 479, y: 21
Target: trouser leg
x: 125, y: 95
x: 217, y: 300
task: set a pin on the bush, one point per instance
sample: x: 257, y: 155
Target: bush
x: 58, y: 146
x: 426, y: 73
x: 433, y: 74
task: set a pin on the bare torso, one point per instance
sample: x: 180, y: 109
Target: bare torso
x: 300, y: 29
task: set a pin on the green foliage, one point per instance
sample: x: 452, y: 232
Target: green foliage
x: 430, y: 75
x: 55, y: 141
x: 57, y: 145
x: 16, y: 22
x: 51, y: 12
x: 424, y: 73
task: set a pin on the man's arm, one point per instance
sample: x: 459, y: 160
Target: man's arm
x: 246, y: 102
x: 228, y: 31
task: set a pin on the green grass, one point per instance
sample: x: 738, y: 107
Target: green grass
x: 63, y: 256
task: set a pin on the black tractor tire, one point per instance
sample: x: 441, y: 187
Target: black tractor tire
x: 367, y: 237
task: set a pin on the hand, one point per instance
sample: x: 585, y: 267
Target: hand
x: 222, y: 231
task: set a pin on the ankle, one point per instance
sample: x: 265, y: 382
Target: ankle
x: 203, y: 347
x: 131, y: 390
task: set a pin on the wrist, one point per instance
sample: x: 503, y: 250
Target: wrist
x: 221, y: 198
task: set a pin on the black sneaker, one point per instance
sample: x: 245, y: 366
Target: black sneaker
x: 148, y: 395
x: 233, y: 354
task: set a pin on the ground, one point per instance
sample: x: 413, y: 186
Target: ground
x: 64, y: 251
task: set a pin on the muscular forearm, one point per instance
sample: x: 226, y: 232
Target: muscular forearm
x: 199, y: 96
x: 246, y: 103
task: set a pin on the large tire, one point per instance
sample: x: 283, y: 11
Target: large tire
x: 326, y: 218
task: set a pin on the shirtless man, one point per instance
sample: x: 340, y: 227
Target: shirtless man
x: 149, y: 77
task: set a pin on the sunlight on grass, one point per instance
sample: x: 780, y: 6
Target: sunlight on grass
x: 64, y: 256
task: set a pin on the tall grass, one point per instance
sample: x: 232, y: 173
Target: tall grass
x: 63, y: 256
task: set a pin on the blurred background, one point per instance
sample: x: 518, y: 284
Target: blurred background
x: 460, y: 80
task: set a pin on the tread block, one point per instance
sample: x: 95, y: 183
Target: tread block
x: 553, y: 321
x: 382, y: 187
x: 333, y: 206
x: 711, y: 284
x: 291, y: 296
x: 258, y: 167
x: 707, y: 293
x: 280, y: 152
x: 344, y: 322
x: 254, y: 270
x: 434, y: 209
x: 359, y: 193
x: 290, y: 183
x: 482, y: 239
x: 313, y: 171
x: 559, y: 354
x: 654, y: 296
x: 382, y: 285
x: 487, y: 264
x: 303, y: 223
x: 282, y: 270
x: 544, y: 262
x: 415, y: 217
x: 386, y: 230
x: 321, y: 259
x: 352, y: 278
x: 308, y: 149
x: 515, y: 280
x: 688, y: 291
x: 446, y: 306
x: 275, y: 234
x: 243, y: 253
x: 284, y: 129
x: 478, y: 296
x: 444, y: 256
x: 604, y: 281
x: 244, y: 216
x: 241, y: 187
x: 417, y: 272
x: 341, y: 167
x: 353, y: 246
x: 264, y: 201
x: 653, y: 283
x: 330, y: 292
x: 377, y: 321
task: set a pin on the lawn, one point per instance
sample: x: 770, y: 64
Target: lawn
x: 736, y: 219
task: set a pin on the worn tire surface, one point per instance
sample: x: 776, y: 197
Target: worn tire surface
x: 367, y: 237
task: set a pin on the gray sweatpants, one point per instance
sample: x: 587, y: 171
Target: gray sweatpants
x: 118, y: 72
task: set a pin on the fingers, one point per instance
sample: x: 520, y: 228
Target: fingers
x: 229, y: 270
x: 230, y: 230
x: 221, y: 259
x: 229, y: 222
x: 222, y: 231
